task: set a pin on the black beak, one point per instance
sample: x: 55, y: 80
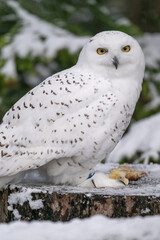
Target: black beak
x: 115, y: 62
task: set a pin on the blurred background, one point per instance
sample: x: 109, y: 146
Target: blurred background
x: 40, y: 37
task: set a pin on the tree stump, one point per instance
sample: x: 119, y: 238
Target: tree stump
x: 63, y: 203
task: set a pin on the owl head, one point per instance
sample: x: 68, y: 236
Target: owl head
x: 112, y: 53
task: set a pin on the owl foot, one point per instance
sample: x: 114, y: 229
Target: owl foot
x: 101, y: 180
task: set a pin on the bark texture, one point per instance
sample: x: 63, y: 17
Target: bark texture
x: 63, y: 204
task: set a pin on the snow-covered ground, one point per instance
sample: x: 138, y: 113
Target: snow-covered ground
x: 97, y: 228
x: 143, y: 137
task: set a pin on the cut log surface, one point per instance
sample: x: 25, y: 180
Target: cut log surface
x: 63, y: 203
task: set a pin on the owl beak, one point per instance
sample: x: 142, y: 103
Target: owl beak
x: 115, y: 62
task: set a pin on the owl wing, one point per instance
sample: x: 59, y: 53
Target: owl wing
x: 54, y: 120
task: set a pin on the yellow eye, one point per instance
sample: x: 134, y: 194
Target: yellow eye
x: 101, y: 51
x: 126, y: 48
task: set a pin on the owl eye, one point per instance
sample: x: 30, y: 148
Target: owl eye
x: 101, y: 51
x: 126, y: 48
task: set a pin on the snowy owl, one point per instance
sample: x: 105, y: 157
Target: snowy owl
x: 72, y: 120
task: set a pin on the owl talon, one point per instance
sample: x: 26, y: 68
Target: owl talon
x: 125, y: 181
x: 93, y: 183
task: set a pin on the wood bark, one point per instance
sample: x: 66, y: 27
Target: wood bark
x: 66, y: 203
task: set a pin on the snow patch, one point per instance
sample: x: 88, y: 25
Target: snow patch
x: 145, y: 211
x: 20, y: 197
x: 9, y: 69
x: 16, y: 214
x: 143, y: 137
x: 154, y: 94
x: 151, y: 48
x: 97, y: 228
x: 37, y: 38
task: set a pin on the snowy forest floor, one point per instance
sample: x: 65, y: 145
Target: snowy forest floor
x: 97, y: 228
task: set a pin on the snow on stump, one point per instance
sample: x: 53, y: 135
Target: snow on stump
x: 62, y: 203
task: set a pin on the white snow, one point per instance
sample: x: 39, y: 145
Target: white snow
x: 155, y: 97
x: 123, y: 21
x: 22, y: 196
x: 16, y: 214
x: 97, y: 228
x: 37, y: 38
x: 144, y: 137
x: 146, y: 210
x: 9, y: 69
x: 151, y: 49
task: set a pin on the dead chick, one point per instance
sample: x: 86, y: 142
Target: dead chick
x: 125, y: 174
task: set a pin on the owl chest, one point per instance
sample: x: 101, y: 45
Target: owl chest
x: 112, y: 129
x: 119, y: 121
